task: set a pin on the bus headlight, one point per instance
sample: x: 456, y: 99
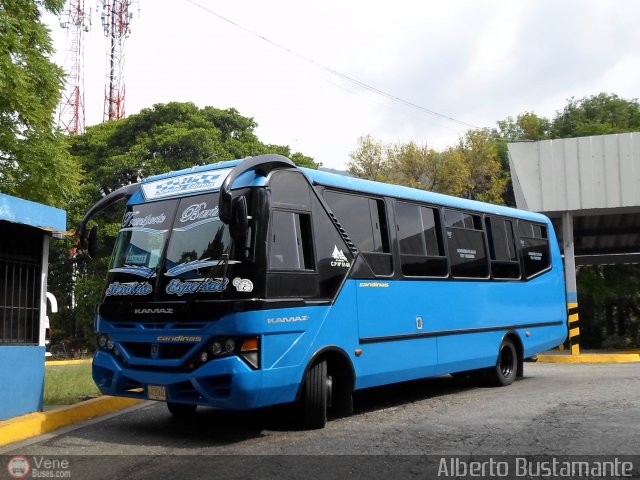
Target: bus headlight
x: 250, y: 351
x: 247, y: 348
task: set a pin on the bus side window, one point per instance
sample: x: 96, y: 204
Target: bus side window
x: 420, y: 241
x: 534, y: 243
x: 502, y: 248
x: 290, y: 240
x: 465, y: 241
x: 365, y: 221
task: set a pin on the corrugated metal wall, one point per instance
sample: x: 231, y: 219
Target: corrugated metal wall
x: 577, y: 173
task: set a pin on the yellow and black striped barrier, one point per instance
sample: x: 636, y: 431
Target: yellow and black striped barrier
x: 574, y: 328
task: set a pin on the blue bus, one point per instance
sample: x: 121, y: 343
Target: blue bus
x: 253, y: 282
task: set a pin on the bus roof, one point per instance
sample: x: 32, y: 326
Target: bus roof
x: 357, y: 185
x: 398, y: 191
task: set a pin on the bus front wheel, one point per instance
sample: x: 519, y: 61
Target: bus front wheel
x: 316, y: 396
x: 506, y: 368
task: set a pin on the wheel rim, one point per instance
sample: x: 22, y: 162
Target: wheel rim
x: 506, y: 361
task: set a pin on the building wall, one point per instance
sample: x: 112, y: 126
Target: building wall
x: 21, y: 380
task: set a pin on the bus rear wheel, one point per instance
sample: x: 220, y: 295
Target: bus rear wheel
x: 506, y: 368
x: 181, y: 410
x: 316, y: 396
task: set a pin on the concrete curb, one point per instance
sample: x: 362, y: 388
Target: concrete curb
x: 33, y: 424
x: 57, y: 363
x: 590, y: 358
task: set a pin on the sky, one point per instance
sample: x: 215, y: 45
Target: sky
x: 471, y: 62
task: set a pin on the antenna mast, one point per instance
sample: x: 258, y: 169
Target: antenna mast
x: 116, y: 21
x: 71, y: 109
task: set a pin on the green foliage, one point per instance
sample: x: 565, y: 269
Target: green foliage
x: 485, y: 181
x: 368, y: 159
x: 596, y: 115
x: 609, y: 306
x: 471, y: 169
x: 34, y: 160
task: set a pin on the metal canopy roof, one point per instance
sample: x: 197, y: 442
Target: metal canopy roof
x: 595, y: 178
x: 25, y: 212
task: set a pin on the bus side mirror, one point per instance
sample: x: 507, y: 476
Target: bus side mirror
x: 239, y: 224
x: 92, y: 242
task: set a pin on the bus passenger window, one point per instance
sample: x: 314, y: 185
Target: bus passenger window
x: 465, y: 239
x: 420, y: 241
x: 534, y: 243
x: 365, y: 221
x: 502, y: 248
x: 290, y: 240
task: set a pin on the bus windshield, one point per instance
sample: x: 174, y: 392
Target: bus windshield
x: 141, y: 239
x: 183, y: 242
x: 198, y: 240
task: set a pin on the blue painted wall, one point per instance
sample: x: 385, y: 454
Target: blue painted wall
x: 21, y: 380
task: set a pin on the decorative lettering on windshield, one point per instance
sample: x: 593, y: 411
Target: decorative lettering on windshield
x: 192, y: 182
x: 208, y: 285
x: 198, y: 211
x: 138, y: 270
x: 129, y: 288
x: 132, y: 219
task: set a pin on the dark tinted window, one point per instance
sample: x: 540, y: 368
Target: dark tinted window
x: 420, y: 240
x: 501, y: 243
x: 290, y: 238
x: 364, y: 219
x: 535, y: 247
x: 466, y: 245
x: 290, y: 189
x: 502, y: 248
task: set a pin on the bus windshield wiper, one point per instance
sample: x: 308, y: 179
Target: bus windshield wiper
x: 211, y: 274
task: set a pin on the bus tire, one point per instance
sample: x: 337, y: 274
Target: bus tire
x: 181, y: 410
x: 506, y: 369
x: 315, y: 398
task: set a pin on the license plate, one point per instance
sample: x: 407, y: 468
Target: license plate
x: 157, y: 392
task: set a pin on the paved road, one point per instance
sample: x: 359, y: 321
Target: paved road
x: 557, y: 409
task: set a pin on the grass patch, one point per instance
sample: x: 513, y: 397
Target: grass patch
x: 65, y: 384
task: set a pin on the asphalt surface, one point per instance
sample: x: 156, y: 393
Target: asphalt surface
x: 557, y: 409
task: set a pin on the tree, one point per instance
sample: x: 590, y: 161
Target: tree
x: 369, y: 159
x: 34, y: 161
x: 526, y: 126
x: 419, y: 167
x: 486, y: 180
x: 168, y: 137
x: 596, y: 115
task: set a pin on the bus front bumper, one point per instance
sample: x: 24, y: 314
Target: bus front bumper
x: 227, y: 383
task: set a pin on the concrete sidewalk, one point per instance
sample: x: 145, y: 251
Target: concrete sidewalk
x: 33, y: 424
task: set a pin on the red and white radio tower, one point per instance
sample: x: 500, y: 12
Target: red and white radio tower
x: 116, y: 20
x: 71, y: 109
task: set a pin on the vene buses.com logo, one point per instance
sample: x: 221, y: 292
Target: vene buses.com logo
x: 18, y: 467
